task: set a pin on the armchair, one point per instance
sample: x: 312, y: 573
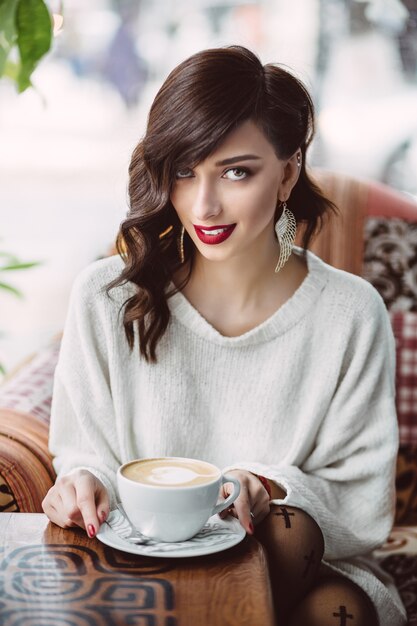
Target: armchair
x: 373, y: 235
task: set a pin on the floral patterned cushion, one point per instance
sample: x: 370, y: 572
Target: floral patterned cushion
x: 390, y: 261
x: 390, y: 264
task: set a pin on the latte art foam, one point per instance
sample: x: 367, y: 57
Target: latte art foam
x: 172, y: 475
x: 171, y: 472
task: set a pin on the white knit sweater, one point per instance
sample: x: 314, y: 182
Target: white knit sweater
x: 306, y: 399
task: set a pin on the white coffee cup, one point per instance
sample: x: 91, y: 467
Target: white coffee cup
x: 171, y: 498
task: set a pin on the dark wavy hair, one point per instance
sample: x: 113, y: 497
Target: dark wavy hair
x: 202, y: 100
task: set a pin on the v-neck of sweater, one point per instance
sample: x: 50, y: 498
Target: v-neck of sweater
x: 286, y: 316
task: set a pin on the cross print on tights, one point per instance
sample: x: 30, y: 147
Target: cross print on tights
x: 310, y: 561
x: 343, y: 616
x: 286, y: 515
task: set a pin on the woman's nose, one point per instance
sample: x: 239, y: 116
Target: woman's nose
x: 206, y: 204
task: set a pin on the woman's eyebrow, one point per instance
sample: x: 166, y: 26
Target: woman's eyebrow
x: 236, y: 159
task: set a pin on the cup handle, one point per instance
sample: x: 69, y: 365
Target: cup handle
x: 230, y: 499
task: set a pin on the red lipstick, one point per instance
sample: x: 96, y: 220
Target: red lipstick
x: 220, y: 234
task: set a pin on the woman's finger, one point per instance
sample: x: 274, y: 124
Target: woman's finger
x: 49, y: 509
x: 252, y: 505
x: 86, y: 490
x: 259, y: 498
x: 260, y: 509
x: 53, y: 507
x: 102, y: 502
x: 242, y: 507
x: 68, y: 505
x: 77, y: 499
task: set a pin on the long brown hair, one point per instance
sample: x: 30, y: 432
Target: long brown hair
x: 201, y: 101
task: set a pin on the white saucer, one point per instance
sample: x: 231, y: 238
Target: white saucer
x: 216, y: 536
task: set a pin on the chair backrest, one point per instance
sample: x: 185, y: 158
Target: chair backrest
x: 342, y: 240
x: 374, y: 235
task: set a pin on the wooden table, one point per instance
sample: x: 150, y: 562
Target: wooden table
x: 55, y: 577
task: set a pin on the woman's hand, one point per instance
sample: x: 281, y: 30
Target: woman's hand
x: 253, y: 498
x: 77, y: 499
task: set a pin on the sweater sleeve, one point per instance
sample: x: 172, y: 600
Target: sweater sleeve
x: 346, y: 483
x: 82, y: 432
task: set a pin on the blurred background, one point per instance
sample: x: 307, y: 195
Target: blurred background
x: 65, y: 146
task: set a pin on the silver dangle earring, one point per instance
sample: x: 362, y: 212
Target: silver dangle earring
x: 286, y: 229
x: 181, y: 245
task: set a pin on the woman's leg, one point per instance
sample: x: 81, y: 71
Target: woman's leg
x: 334, y: 601
x: 294, y: 545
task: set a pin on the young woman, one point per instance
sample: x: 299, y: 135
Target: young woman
x: 211, y: 336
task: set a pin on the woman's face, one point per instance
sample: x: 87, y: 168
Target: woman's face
x: 227, y: 202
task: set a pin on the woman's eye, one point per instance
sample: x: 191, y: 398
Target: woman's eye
x: 237, y: 173
x: 183, y: 173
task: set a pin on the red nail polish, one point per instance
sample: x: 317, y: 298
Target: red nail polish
x: 251, y: 528
x: 91, y: 530
x: 102, y: 515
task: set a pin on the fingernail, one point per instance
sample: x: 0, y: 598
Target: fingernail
x: 102, y: 515
x: 251, y: 528
x: 91, y: 530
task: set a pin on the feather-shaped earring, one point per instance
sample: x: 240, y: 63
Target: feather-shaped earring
x: 286, y: 229
x: 181, y: 245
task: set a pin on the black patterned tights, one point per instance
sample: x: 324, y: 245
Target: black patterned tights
x: 294, y: 545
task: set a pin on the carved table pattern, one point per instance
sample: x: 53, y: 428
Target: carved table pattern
x: 55, y: 577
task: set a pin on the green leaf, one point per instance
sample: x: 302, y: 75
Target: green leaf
x: 34, y: 28
x: 2, y: 370
x: 8, y: 33
x: 13, y: 290
x: 19, y: 266
x: 11, y: 70
x: 11, y: 258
